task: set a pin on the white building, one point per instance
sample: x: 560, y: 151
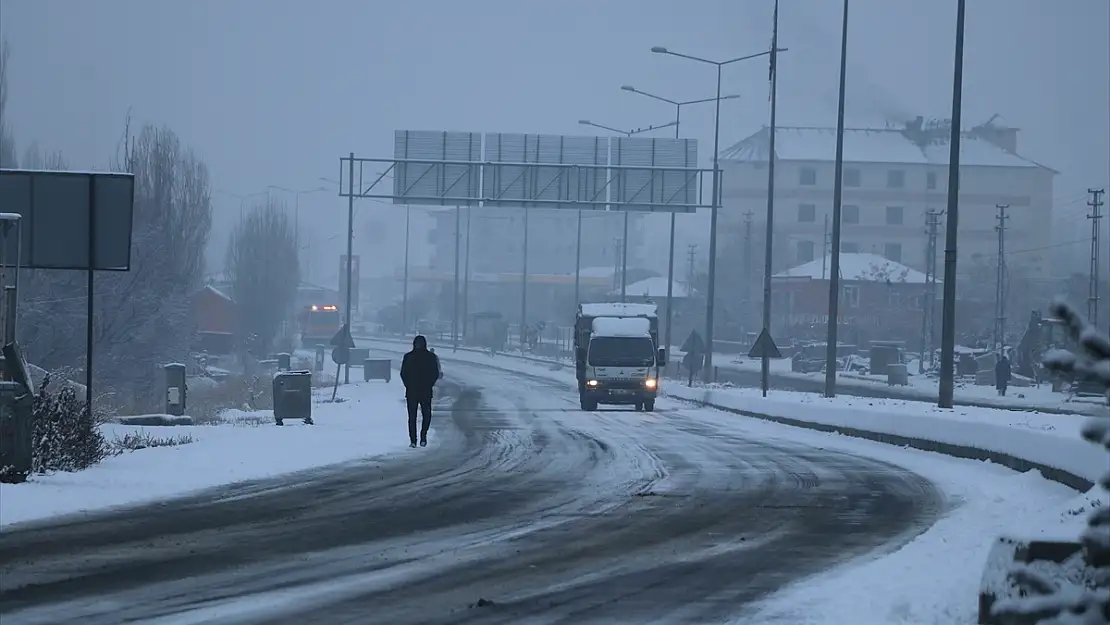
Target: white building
x: 892, y: 176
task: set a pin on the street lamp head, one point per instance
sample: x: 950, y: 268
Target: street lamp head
x: 585, y: 122
x: 628, y: 88
x: 659, y: 49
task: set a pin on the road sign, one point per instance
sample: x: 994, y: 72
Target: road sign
x: 452, y: 181
x: 62, y: 211
x: 764, y: 346
x: 343, y: 338
x: 537, y: 178
x: 433, y: 168
x: 652, y: 190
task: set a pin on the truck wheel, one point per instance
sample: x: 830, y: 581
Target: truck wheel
x: 639, y: 406
x: 589, y: 405
x: 649, y: 405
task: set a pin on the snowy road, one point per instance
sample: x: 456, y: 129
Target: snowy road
x: 553, y: 514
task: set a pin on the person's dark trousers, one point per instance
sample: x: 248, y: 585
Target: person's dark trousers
x: 425, y: 405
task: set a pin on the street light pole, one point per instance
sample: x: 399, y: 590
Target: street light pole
x: 405, y: 287
x: 831, y: 351
x: 711, y: 287
x: 765, y: 361
x: 670, y: 263
x: 948, y: 319
x: 350, y: 252
x: 578, y: 263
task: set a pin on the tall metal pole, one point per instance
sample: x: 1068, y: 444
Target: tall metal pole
x: 668, y: 340
x: 624, y: 260
x: 765, y: 365
x: 455, y: 291
x: 1000, y: 280
x: 578, y: 263
x: 711, y: 288
x: 405, y: 287
x: 297, y: 222
x: 466, y: 277
x: 838, y: 194
x: 948, y: 320
x: 350, y: 252
x: 524, y: 284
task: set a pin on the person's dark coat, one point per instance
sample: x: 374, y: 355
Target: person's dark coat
x: 1002, y: 373
x: 419, y: 370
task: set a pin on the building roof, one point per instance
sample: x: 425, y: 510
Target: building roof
x: 654, y: 287
x: 872, y: 145
x: 860, y: 267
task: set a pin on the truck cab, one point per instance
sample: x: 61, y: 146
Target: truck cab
x: 618, y: 361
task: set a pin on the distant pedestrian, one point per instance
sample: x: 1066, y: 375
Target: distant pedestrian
x: 1002, y: 374
x: 694, y: 346
x: 419, y: 373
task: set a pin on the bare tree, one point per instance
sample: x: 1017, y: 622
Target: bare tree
x: 263, y: 268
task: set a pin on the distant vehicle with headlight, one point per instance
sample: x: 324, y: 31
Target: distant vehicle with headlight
x: 617, y: 355
x: 319, y: 323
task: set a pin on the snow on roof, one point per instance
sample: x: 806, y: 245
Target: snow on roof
x: 616, y: 309
x: 621, y: 326
x: 654, y: 287
x: 861, y: 267
x: 867, y: 145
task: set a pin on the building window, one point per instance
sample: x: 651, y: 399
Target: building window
x: 851, y: 177
x: 807, y: 213
x: 895, y: 179
x: 849, y: 214
x: 931, y: 180
x: 894, y: 215
x: 893, y: 251
x: 807, y: 176
x: 807, y: 251
x: 847, y: 247
x: 851, y: 296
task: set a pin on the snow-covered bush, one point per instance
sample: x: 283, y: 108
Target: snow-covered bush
x: 66, y: 435
x: 1048, y: 601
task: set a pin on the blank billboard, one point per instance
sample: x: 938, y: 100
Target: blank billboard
x: 527, y: 179
x: 666, y: 190
x: 57, y: 210
x: 436, y: 183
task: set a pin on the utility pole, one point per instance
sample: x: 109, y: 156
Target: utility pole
x: 466, y: 276
x: 691, y: 255
x: 948, y: 323
x: 825, y: 251
x: 405, y: 279
x: 524, y: 284
x: 350, y: 251
x: 1092, y: 289
x: 747, y: 286
x: 578, y: 262
x: 1000, y: 279
x: 618, y: 246
x: 624, y: 260
x: 832, y: 342
x: 455, y: 291
x: 765, y: 362
x: 929, y: 301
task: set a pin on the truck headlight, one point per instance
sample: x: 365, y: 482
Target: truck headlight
x: 591, y: 383
x: 650, y: 383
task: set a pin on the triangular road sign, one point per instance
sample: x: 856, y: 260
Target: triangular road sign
x: 764, y: 346
x: 343, y: 338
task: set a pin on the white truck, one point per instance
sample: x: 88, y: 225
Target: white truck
x: 617, y: 355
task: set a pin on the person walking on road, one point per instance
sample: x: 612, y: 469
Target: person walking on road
x: 694, y: 346
x: 419, y: 373
x: 1002, y: 374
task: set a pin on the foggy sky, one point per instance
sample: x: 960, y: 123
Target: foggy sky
x: 273, y: 92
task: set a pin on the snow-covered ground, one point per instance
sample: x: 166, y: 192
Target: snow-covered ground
x: 248, y: 446
x: 934, y: 578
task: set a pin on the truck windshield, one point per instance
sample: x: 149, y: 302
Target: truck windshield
x: 622, y: 351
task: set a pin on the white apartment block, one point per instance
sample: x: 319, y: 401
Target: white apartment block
x: 497, y: 240
x: 892, y: 176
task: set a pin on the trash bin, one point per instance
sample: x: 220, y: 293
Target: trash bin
x: 377, y: 369
x: 16, y: 432
x: 293, y: 396
x: 897, y: 375
x: 284, y: 361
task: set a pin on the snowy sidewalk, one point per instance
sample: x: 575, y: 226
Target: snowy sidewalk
x: 247, y: 446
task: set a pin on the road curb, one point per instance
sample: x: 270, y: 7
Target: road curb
x: 1060, y: 476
